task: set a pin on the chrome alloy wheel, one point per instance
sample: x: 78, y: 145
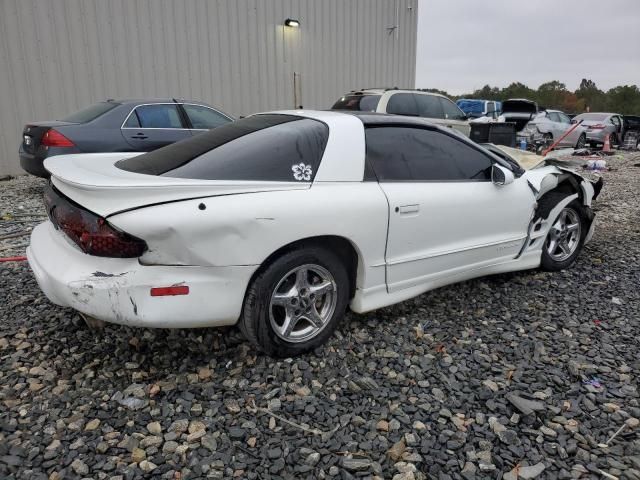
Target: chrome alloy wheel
x: 303, y: 303
x: 564, y: 237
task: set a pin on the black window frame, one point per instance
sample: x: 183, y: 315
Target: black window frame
x: 371, y: 175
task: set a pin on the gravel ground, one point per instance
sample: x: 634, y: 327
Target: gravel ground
x: 523, y: 375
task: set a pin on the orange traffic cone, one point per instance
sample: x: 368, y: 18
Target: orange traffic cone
x: 607, y: 144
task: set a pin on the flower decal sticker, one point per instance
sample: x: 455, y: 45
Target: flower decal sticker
x: 302, y: 172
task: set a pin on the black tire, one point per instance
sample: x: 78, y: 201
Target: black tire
x: 546, y: 204
x: 613, y: 140
x: 582, y: 141
x: 255, y: 320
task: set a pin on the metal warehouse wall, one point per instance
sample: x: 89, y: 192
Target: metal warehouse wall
x: 57, y: 56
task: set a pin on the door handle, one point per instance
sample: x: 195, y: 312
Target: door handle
x: 408, y: 209
x: 139, y: 136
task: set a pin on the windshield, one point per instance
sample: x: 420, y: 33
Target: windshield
x: 591, y: 117
x: 90, y: 113
x: 363, y: 103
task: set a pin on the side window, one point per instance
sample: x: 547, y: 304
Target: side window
x: 403, y: 104
x: 615, y: 121
x: 132, y: 121
x: 450, y: 109
x: 204, y: 118
x: 553, y: 116
x: 564, y: 118
x: 414, y: 154
x: 429, y: 106
x: 158, y: 116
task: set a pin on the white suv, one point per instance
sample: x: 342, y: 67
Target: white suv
x: 415, y: 103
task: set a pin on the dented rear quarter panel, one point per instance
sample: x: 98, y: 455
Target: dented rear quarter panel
x: 245, y: 229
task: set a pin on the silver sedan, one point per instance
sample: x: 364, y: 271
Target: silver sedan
x: 599, y: 125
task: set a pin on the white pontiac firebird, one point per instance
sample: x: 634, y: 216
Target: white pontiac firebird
x: 281, y: 220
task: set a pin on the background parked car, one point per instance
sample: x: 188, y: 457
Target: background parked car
x: 414, y: 103
x: 599, y: 125
x: 519, y: 111
x: 116, y: 126
x: 479, y: 108
x: 549, y: 126
x: 631, y: 139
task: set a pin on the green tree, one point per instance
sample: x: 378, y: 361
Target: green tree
x: 517, y: 90
x: 624, y: 99
x: 594, y: 98
x: 552, y: 94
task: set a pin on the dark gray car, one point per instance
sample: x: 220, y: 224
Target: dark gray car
x: 116, y: 126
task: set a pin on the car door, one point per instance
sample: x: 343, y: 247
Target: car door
x: 617, y: 127
x: 152, y: 126
x: 564, y: 125
x: 557, y: 127
x: 202, y: 118
x: 445, y: 214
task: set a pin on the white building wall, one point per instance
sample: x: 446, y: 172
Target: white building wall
x: 57, y: 56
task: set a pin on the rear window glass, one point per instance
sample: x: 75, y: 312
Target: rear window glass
x: 282, y: 148
x: 362, y: 103
x: 90, y: 113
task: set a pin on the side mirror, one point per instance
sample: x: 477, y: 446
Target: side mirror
x: 501, y: 175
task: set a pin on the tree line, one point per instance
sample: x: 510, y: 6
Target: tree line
x: 624, y: 99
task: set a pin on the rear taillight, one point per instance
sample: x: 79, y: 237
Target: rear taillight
x: 53, y: 138
x: 91, y: 233
x: 599, y: 126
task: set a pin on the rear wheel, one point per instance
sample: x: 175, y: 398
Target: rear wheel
x: 296, y: 302
x: 613, y: 140
x: 566, y: 236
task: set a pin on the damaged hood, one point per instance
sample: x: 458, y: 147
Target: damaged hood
x: 94, y: 182
x: 562, y: 159
x: 525, y: 159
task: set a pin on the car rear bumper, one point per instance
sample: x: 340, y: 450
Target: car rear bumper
x: 32, y: 164
x: 596, y: 136
x: 117, y: 290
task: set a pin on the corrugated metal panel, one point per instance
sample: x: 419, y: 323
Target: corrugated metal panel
x: 61, y: 55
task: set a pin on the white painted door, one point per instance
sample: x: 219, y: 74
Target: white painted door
x: 445, y: 214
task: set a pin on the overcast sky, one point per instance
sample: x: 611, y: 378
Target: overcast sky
x: 466, y: 44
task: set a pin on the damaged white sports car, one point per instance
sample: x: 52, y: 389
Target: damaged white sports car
x: 280, y: 221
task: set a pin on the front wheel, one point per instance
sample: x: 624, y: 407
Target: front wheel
x: 582, y: 141
x: 566, y: 236
x: 295, y: 303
